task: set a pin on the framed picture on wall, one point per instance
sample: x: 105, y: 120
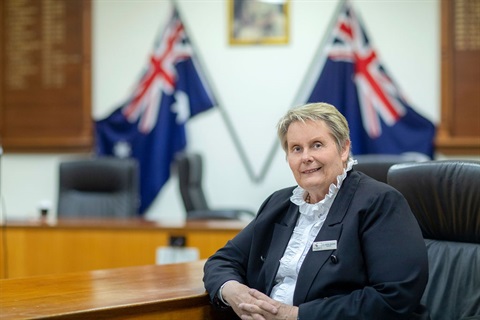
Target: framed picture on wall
x: 258, y: 22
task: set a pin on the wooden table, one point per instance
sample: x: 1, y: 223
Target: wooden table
x: 173, y: 291
x: 29, y: 248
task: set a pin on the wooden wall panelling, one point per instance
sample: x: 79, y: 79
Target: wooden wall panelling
x: 45, y: 75
x: 459, y: 131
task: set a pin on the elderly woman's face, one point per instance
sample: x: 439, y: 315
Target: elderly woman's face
x: 313, y: 156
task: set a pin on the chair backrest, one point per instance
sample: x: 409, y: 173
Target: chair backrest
x: 189, y: 167
x: 377, y: 165
x: 190, y: 174
x: 445, y: 198
x: 98, y: 187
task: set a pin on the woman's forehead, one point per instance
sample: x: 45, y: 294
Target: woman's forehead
x: 308, y: 129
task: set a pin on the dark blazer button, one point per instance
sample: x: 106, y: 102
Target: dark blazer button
x: 334, y: 258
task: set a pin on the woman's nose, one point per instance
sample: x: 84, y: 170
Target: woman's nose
x: 306, y: 156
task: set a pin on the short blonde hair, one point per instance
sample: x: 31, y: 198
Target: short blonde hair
x: 316, y: 111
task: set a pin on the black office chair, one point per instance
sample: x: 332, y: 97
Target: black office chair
x: 377, y: 165
x: 189, y: 167
x: 98, y: 187
x: 445, y: 198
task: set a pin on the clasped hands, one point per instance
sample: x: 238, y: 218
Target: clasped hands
x: 251, y: 304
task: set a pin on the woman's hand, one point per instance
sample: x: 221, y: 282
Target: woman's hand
x: 262, y: 307
x: 235, y: 294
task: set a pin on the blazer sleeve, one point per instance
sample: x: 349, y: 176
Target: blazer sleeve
x: 235, y: 260
x: 228, y: 263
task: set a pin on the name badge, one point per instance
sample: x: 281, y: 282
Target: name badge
x: 324, y: 245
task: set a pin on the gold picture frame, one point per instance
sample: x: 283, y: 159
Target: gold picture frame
x: 258, y: 22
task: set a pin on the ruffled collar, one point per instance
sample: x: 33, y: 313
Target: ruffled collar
x: 311, y: 208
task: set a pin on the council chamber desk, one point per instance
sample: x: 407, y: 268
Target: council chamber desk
x: 171, y: 291
x: 30, y: 248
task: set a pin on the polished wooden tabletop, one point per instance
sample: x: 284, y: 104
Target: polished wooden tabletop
x: 95, y: 294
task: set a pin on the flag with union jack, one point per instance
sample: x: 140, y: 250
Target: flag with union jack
x: 150, y: 125
x: 348, y: 74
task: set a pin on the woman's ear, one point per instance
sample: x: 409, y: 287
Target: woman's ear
x: 346, y: 151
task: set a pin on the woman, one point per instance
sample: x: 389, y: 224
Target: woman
x: 340, y: 245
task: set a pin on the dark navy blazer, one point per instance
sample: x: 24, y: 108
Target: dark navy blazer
x: 379, y: 269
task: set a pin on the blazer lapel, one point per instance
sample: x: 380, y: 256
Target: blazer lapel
x: 281, y: 236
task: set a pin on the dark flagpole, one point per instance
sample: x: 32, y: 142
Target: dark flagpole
x: 223, y: 112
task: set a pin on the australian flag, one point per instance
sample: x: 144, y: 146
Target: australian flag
x: 348, y: 74
x: 150, y: 125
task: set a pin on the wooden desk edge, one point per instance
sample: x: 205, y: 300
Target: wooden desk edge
x: 197, y: 306
x: 127, y: 223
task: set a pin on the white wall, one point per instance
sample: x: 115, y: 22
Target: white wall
x: 255, y: 85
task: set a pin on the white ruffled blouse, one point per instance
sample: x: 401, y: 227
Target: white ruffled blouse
x: 309, y: 223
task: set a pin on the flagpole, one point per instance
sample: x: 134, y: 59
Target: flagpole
x: 317, y: 64
x: 300, y: 97
x: 223, y: 113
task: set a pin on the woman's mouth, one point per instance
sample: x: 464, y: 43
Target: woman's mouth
x: 311, y: 170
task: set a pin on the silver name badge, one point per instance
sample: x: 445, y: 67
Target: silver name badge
x: 324, y: 245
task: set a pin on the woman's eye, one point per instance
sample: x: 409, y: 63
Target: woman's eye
x: 317, y: 145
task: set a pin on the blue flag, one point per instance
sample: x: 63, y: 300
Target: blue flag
x: 348, y: 74
x: 150, y: 126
